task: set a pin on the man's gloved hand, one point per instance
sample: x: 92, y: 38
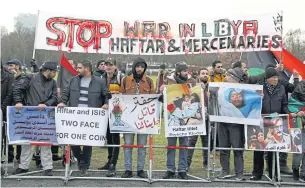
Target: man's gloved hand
x: 32, y: 63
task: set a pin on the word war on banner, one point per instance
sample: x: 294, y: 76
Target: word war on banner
x: 81, y: 126
x: 238, y: 34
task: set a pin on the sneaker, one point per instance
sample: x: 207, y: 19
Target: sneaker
x: 182, y: 175
x: 142, y: 174
x: 223, y: 175
x: 83, y: 172
x: 39, y: 166
x: 302, y: 179
x: 111, y: 172
x: 239, y: 177
x: 286, y: 170
x: 20, y: 171
x: 256, y: 178
x: 127, y: 174
x: 295, y: 174
x: 169, y: 175
x: 105, y: 167
x: 48, y: 172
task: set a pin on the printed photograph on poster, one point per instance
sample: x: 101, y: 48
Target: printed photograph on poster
x: 31, y: 125
x: 183, y: 110
x: 295, y: 131
x: 135, y: 114
x: 274, y: 134
x: 235, y: 103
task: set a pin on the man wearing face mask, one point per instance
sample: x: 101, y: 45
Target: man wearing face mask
x: 218, y: 73
x: 40, y: 90
x: 192, y: 140
x: 180, y: 76
x: 274, y: 102
x: 14, y: 66
x: 136, y: 84
x: 113, y: 77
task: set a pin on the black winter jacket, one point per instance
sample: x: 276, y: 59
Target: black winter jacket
x: 98, y: 93
x: 36, y: 90
x: 277, y: 102
x: 7, y: 81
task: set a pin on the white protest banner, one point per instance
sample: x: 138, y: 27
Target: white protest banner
x: 135, y: 114
x: 235, y: 103
x: 184, y: 113
x: 75, y: 33
x: 81, y: 126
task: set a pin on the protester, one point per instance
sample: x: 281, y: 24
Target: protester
x: 180, y: 76
x: 296, y: 104
x: 85, y: 90
x: 289, y: 88
x: 113, y: 77
x: 218, y: 72
x: 7, y: 81
x: 40, y: 90
x: 192, y: 140
x: 136, y: 84
x: 160, y: 77
x: 248, y: 78
x: 100, y: 68
x: 14, y: 66
x: 231, y: 135
x: 274, y: 102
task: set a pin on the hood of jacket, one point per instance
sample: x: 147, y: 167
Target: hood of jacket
x: 172, y: 78
x: 135, y: 62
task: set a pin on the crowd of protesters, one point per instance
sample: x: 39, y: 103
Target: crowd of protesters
x: 94, y: 88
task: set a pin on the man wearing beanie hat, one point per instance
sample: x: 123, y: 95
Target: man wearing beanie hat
x: 100, y: 68
x: 274, y: 102
x: 136, y: 84
x: 39, y: 89
x: 180, y: 76
x: 231, y: 134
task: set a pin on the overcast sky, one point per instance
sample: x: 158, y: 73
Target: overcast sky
x: 294, y: 16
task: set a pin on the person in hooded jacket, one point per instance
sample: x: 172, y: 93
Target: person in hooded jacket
x: 100, y: 68
x: 136, y: 84
x: 180, y: 76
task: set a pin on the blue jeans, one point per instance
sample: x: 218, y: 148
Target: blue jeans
x: 83, y: 157
x: 171, y: 154
x: 141, y: 140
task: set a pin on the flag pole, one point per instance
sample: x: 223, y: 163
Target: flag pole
x: 281, y: 61
x: 35, y: 40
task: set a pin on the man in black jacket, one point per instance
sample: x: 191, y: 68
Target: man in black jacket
x: 40, y: 90
x: 100, y: 66
x: 274, y: 101
x: 85, y: 90
x: 7, y: 80
x: 14, y: 66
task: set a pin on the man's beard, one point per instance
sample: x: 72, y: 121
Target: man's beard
x: 205, y: 80
x: 184, y: 78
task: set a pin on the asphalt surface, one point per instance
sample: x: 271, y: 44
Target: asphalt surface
x: 124, y: 183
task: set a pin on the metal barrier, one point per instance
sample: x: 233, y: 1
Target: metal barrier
x: 68, y: 172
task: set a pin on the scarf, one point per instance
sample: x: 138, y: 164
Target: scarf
x: 270, y: 88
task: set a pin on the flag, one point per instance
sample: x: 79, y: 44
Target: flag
x: 291, y: 62
x: 294, y: 122
x: 66, y: 72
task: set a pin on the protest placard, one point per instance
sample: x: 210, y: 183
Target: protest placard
x: 75, y: 33
x: 81, y: 126
x: 235, y: 103
x: 31, y: 125
x: 184, y: 113
x: 276, y: 133
x: 135, y: 114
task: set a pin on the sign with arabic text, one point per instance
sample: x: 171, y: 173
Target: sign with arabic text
x: 31, y: 125
x: 81, y: 126
x: 135, y: 114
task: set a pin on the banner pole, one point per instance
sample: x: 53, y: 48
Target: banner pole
x: 35, y: 40
x: 67, y: 162
x: 6, y: 149
x: 1, y: 118
x: 150, y: 158
x: 282, y: 37
x: 273, y: 166
x: 208, y: 151
x: 278, y: 167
